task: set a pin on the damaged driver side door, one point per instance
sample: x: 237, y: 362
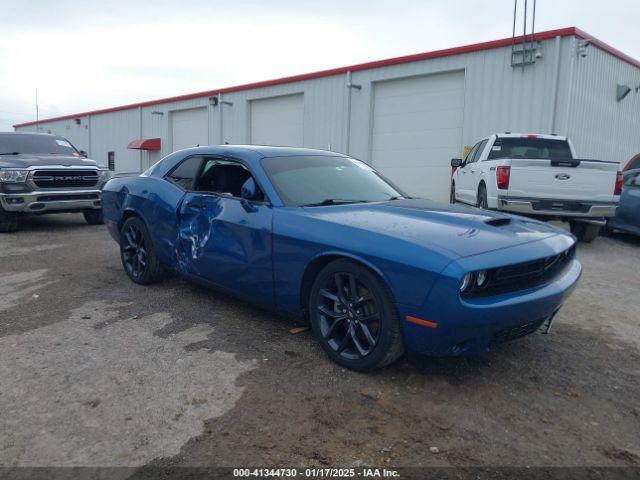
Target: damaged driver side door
x: 225, y: 238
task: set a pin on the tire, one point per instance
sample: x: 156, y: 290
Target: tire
x: 584, y: 232
x: 482, y: 197
x: 137, y: 253
x: 345, y: 324
x: 93, y: 217
x: 452, y: 194
x: 8, y: 221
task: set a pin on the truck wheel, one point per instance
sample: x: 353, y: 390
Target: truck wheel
x: 585, y: 232
x: 452, y: 195
x: 482, y: 197
x: 93, y: 217
x: 8, y: 221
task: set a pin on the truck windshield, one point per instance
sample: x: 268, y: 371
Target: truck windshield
x: 526, y: 147
x: 327, y: 180
x: 15, y: 143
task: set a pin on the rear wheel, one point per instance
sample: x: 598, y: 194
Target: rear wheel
x: 482, y: 197
x: 354, y: 318
x: 8, y: 221
x: 93, y: 217
x: 137, y: 253
x: 585, y: 232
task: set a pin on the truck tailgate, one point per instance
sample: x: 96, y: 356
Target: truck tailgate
x: 591, y: 180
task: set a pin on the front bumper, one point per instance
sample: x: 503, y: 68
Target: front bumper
x: 47, y: 201
x: 558, y: 208
x: 458, y: 326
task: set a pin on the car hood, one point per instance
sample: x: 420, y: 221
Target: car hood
x: 25, y: 160
x: 457, y: 230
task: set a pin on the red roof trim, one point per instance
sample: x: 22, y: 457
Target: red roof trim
x: 476, y: 47
x: 145, y: 144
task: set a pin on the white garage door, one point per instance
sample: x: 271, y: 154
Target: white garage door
x: 278, y: 121
x: 189, y: 128
x: 417, y: 130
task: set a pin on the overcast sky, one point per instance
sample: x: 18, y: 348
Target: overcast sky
x: 83, y: 55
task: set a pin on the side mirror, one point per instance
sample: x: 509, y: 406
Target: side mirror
x: 83, y: 153
x: 249, y: 190
x: 456, y: 162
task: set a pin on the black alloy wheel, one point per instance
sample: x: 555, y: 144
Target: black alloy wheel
x: 137, y: 254
x: 354, y: 318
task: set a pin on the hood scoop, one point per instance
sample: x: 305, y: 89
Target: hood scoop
x: 498, y: 222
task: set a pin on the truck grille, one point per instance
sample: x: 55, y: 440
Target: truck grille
x: 65, y: 178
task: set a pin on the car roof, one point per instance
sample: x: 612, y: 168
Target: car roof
x: 251, y: 154
x: 259, y: 150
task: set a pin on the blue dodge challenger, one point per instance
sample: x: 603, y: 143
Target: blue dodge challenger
x: 322, y: 235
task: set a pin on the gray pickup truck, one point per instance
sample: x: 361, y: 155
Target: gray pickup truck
x: 42, y: 173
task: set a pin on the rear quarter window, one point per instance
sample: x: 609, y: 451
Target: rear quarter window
x: 185, y: 173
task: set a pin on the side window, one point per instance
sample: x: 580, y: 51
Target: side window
x: 185, y: 174
x: 632, y: 180
x: 474, y: 155
x: 471, y: 154
x: 481, y: 149
x: 224, y: 177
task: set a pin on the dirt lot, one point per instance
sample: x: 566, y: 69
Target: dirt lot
x: 95, y: 370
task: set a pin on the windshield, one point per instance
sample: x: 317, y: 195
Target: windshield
x: 309, y: 180
x: 530, y: 148
x: 40, y: 144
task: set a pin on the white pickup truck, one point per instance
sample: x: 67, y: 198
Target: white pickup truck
x: 540, y: 176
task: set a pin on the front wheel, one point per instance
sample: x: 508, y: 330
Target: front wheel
x: 8, y: 221
x: 93, y: 217
x: 354, y: 318
x: 585, y: 232
x: 137, y: 253
x: 452, y: 194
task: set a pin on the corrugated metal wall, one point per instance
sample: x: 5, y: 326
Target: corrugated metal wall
x: 498, y: 98
x: 600, y: 126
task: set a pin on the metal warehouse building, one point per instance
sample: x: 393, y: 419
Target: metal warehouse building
x: 406, y: 116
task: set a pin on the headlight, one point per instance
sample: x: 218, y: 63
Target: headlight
x: 467, y: 283
x: 104, y: 175
x: 481, y: 278
x: 14, y: 176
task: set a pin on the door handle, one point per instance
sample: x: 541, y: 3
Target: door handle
x: 196, y: 205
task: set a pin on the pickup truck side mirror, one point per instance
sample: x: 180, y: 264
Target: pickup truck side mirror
x: 83, y: 153
x: 456, y: 162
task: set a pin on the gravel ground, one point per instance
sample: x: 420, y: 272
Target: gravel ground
x: 95, y: 370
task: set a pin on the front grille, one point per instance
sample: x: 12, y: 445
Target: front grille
x: 518, y: 331
x: 58, y: 198
x: 522, y: 276
x: 65, y: 178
